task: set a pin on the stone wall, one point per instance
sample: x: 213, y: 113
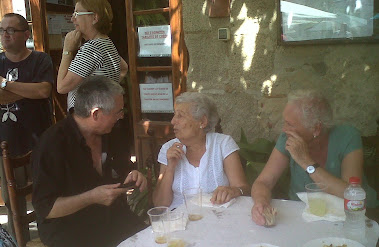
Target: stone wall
x: 250, y: 75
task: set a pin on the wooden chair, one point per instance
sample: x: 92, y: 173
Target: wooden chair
x: 17, y: 193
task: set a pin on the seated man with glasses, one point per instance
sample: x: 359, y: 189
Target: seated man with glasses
x: 78, y: 173
x: 26, y: 79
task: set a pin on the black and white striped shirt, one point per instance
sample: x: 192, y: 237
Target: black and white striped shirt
x: 95, y: 57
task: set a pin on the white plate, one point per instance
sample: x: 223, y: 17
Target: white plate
x: 262, y: 245
x: 334, y: 241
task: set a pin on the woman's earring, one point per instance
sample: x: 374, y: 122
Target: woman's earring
x: 201, y: 126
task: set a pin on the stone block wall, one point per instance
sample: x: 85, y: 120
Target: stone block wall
x: 250, y: 75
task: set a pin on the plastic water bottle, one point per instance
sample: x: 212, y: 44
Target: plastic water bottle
x: 355, y: 210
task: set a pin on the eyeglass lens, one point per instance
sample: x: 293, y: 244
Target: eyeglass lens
x: 9, y: 30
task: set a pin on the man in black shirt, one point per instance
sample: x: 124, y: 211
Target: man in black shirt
x: 77, y: 172
x: 26, y: 79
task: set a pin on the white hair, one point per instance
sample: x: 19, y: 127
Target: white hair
x: 201, y: 105
x: 314, y: 107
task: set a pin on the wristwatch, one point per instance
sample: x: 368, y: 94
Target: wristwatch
x: 312, y: 168
x: 3, y: 83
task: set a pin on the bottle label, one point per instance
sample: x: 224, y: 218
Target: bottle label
x: 354, y: 205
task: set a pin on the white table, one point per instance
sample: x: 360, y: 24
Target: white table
x: 233, y: 226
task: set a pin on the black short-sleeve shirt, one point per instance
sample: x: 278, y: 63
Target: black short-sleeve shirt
x: 25, y: 120
x: 62, y: 167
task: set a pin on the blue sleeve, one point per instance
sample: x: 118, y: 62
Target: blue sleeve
x: 281, y: 144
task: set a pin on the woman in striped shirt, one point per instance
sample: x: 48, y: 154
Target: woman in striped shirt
x: 97, y: 56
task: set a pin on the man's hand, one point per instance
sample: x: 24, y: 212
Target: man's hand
x: 137, y: 177
x: 257, y: 212
x: 106, y: 194
x: 224, y: 194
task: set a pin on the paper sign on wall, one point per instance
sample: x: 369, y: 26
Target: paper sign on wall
x: 156, y: 98
x: 154, y: 41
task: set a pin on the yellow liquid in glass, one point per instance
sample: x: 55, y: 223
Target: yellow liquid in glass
x: 160, y: 240
x: 176, y: 243
x: 194, y: 217
x: 317, y: 206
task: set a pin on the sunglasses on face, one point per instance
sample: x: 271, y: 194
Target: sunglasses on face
x: 10, y: 30
x: 76, y: 14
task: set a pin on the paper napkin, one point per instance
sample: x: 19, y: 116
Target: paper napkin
x: 335, y: 209
x: 206, y: 202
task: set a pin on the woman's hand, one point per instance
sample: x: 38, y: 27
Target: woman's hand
x: 137, y: 177
x: 224, y: 194
x: 174, y: 154
x: 72, y: 41
x: 298, y: 148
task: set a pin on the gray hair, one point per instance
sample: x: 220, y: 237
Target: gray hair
x: 314, y: 106
x: 96, y: 91
x: 201, y: 105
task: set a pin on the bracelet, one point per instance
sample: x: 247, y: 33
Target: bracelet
x: 240, y: 190
x: 66, y: 53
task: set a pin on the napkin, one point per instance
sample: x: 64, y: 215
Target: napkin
x: 335, y: 209
x: 206, y: 202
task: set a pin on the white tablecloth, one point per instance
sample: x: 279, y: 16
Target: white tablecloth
x: 233, y: 226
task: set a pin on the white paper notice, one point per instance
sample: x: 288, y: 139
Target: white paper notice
x: 154, y: 41
x: 60, y: 24
x: 156, y: 98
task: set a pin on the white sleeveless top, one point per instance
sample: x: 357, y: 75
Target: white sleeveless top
x: 210, y: 173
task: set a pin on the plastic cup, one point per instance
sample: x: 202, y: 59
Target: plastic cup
x: 176, y: 223
x: 193, y: 200
x: 157, y: 217
x: 316, y: 198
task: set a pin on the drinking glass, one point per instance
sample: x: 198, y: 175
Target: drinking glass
x: 157, y: 217
x: 193, y: 200
x: 316, y: 198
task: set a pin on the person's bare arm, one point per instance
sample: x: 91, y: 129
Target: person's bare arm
x: 124, y: 68
x: 8, y: 97
x: 163, y: 194
x: 352, y: 165
x: 236, y: 176
x: 263, y: 185
x: 38, y: 90
x: 103, y: 195
x: 66, y: 80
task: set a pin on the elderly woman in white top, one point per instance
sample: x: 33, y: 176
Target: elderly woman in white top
x: 198, y: 157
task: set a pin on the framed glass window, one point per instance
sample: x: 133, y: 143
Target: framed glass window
x: 328, y: 21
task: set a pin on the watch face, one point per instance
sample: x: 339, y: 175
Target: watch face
x: 310, y: 169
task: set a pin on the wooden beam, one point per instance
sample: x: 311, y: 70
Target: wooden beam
x: 5, y: 7
x: 151, y: 11
x: 175, y: 6
x: 40, y: 36
x: 154, y: 68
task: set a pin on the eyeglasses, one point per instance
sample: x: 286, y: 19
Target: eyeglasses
x: 76, y: 14
x: 10, y: 30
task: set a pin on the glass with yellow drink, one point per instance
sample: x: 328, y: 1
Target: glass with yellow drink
x: 316, y: 198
